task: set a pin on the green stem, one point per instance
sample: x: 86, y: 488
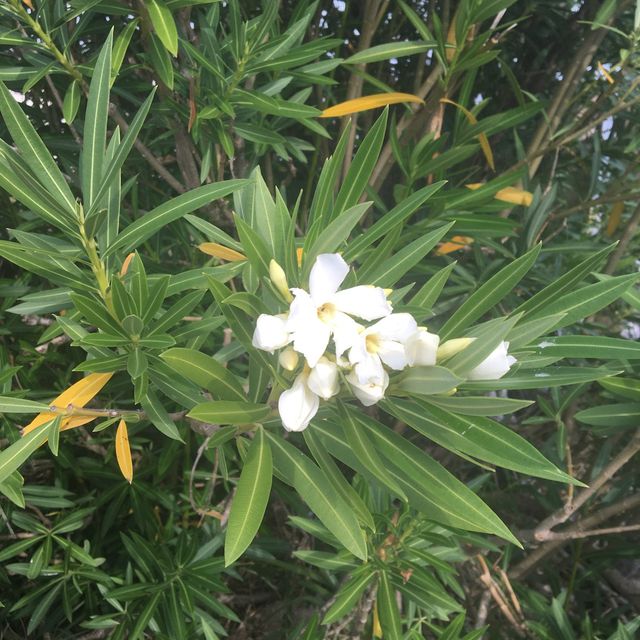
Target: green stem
x: 47, y: 41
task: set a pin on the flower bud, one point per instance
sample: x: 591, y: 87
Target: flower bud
x: 451, y: 347
x: 288, y: 359
x: 323, y: 379
x: 270, y: 333
x: 368, y: 393
x: 421, y: 348
x: 494, y: 366
x: 279, y: 279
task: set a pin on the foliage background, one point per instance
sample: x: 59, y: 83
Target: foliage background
x: 570, y: 138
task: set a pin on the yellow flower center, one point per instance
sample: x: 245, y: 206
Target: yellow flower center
x: 372, y: 342
x: 326, y: 312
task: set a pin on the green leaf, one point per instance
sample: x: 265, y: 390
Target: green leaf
x: 230, y: 412
x: 144, y: 617
x: 479, y: 405
x: 254, y: 247
x: 206, y: 372
x: 137, y: 363
x: 262, y: 103
x: 158, y: 416
x: 388, y: 608
x: 364, y: 449
x: 334, y: 234
x: 476, y: 436
x: 489, y: 294
x: 143, y: 228
x: 96, y: 314
x: 429, y: 487
x: 339, y: 482
x: 563, y: 284
x: 12, y: 489
x: 20, y: 405
x: 428, y: 380
x: 390, y: 50
x: 359, y: 172
x: 34, y: 152
x: 95, y: 124
x: 397, y: 216
x: 349, y: 594
x: 624, y: 387
x: 160, y: 60
x: 297, y: 470
x: 392, y: 269
x: 250, y: 501
x: 589, y: 347
x: 542, y: 379
x: 430, y: 291
x: 163, y: 24
x: 611, y: 415
x: 524, y: 332
x: 71, y: 102
x: 17, y: 453
x: 120, y: 154
x: 588, y: 300
x: 174, y: 313
x: 53, y: 434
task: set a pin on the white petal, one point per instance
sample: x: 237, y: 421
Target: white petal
x: 312, y: 340
x: 364, y: 301
x: 323, y: 379
x: 494, y: 366
x: 298, y: 405
x: 301, y: 311
x: 346, y: 332
x: 397, y: 326
x: 370, y: 370
x: 392, y: 353
x: 421, y: 348
x: 358, y: 351
x: 369, y: 393
x: 327, y: 274
x: 270, y: 333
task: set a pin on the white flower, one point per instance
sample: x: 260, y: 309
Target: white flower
x: 323, y: 379
x: 421, y: 348
x: 279, y: 279
x: 370, y: 392
x: 271, y: 332
x: 315, y: 316
x: 494, y: 366
x: 381, y: 343
x: 298, y: 405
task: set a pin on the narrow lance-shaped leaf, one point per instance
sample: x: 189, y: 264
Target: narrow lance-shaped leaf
x: 95, y: 124
x: 77, y: 395
x: 369, y: 102
x: 250, y: 500
x: 163, y: 24
x: 34, y: 152
x: 143, y: 228
x: 489, y: 294
x: 123, y: 452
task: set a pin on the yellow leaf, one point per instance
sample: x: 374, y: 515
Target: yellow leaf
x: 614, y: 218
x: 123, y: 452
x: 126, y: 263
x: 28, y: 3
x: 482, y: 137
x: 512, y: 195
x: 377, y: 627
x: 451, y: 40
x: 223, y: 253
x: 456, y: 243
x: 77, y: 395
x: 299, y: 252
x: 369, y: 102
x: 605, y: 73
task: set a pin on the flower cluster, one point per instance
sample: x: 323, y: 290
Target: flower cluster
x: 362, y: 355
